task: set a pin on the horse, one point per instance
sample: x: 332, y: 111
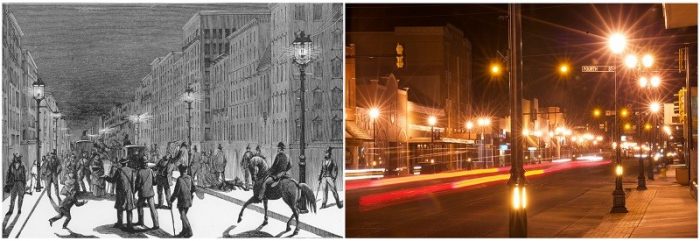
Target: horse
x: 288, y: 189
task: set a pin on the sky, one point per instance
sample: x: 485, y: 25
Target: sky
x: 92, y: 56
x: 552, y: 34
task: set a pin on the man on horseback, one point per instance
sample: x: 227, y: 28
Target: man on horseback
x: 278, y: 170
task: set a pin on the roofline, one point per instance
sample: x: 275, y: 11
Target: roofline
x: 222, y: 12
x: 31, y: 59
x: 14, y: 22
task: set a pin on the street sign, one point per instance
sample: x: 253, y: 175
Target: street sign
x: 597, y: 68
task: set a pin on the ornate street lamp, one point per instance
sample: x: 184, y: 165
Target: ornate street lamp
x: 56, y: 115
x: 302, y: 56
x: 38, y: 96
x: 617, y: 43
x: 189, y: 98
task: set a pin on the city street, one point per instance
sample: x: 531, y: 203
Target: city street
x: 478, y: 212
x: 95, y: 219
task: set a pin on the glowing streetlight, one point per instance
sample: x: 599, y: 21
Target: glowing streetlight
x: 654, y: 107
x: 596, y: 113
x: 624, y: 113
x: 647, y: 60
x: 564, y: 69
x: 631, y: 61
x: 655, y: 81
x: 374, y: 113
x: 617, y: 43
x: 432, y: 120
x: 469, y: 125
x: 495, y: 69
x: 643, y: 82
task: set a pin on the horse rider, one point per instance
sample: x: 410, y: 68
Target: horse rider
x: 15, y: 181
x: 245, y: 162
x: 327, y: 177
x: 277, y: 171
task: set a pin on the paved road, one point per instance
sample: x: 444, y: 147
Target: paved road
x: 478, y: 212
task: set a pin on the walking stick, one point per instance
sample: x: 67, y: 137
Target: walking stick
x: 317, y: 189
x: 172, y: 218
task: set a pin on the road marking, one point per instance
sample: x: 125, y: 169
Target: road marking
x: 272, y: 214
x: 30, y: 213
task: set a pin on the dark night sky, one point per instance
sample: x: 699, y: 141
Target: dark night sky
x: 92, y: 56
x: 552, y: 33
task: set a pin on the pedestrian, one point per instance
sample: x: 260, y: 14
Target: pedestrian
x: 80, y: 169
x: 52, y: 169
x: 96, y: 172
x: 163, y: 170
x: 66, y: 205
x: 144, y: 188
x: 15, y: 182
x: 184, y: 194
x: 194, y: 162
x: 32, y: 177
x: 245, y: 163
x: 277, y: 171
x: 327, y: 177
x: 219, y: 164
x: 124, y: 179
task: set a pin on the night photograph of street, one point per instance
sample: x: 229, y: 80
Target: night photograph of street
x: 521, y: 120
x: 151, y: 120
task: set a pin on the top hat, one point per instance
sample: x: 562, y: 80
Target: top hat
x: 280, y: 145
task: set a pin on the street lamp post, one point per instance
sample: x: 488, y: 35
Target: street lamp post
x: 302, y: 56
x: 56, y: 116
x: 516, y: 182
x: 631, y: 62
x: 654, y: 108
x: 432, y: 120
x: 189, y: 98
x: 617, y: 44
x: 38, y: 96
x: 483, y: 122
x: 373, y: 115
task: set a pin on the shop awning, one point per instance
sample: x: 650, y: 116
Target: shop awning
x: 352, y: 131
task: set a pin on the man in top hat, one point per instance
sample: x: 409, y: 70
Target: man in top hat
x: 277, y: 171
x: 124, y: 179
x: 327, y: 177
x: 144, y: 187
x: 183, y: 193
x: 51, y: 172
x: 219, y: 161
x: 82, y: 169
x: 16, y: 179
x: 245, y: 163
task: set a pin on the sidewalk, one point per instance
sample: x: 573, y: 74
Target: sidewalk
x: 328, y: 222
x: 665, y: 210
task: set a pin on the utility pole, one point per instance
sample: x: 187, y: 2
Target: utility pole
x: 518, y: 211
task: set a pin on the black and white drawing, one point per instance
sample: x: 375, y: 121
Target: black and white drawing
x: 172, y: 120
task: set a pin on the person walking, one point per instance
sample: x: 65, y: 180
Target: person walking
x: 15, y: 182
x: 144, y: 188
x: 163, y: 168
x: 184, y: 194
x: 327, y: 177
x: 52, y: 169
x: 245, y: 163
x: 67, y: 204
x: 124, y: 179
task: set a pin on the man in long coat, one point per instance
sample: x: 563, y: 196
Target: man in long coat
x: 219, y: 162
x: 124, y: 179
x: 245, y: 163
x: 16, y: 179
x: 144, y: 187
x: 164, y: 168
x: 183, y: 193
x: 277, y: 171
x: 327, y: 177
x: 51, y: 172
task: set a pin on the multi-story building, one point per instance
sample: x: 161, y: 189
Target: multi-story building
x: 28, y: 107
x: 241, y: 91
x: 12, y: 89
x: 324, y: 82
x: 204, y: 38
